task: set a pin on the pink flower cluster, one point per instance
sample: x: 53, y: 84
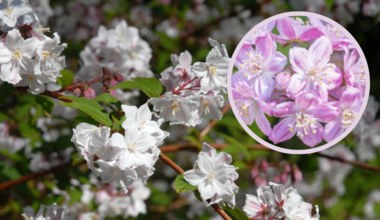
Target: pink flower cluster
x: 305, y: 74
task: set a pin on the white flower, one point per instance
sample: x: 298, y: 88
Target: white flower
x: 209, y: 106
x: 134, y: 149
x: 15, y: 54
x: 176, y: 109
x: 48, y: 213
x: 274, y: 202
x: 214, y: 176
x: 142, y: 117
x: 213, y: 72
x: 9, y: 12
x: 90, y: 140
x: 49, y: 54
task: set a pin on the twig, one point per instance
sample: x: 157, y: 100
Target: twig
x: 352, y: 162
x: 179, y: 170
x: 207, y: 129
x: 24, y: 179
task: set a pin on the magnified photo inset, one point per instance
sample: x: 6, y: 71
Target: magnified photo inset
x: 298, y: 82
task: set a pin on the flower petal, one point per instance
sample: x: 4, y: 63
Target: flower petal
x: 324, y: 112
x: 265, y: 45
x: 300, y: 60
x: 351, y: 97
x: 306, y: 101
x: 332, y: 130
x: 321, y: 51
x: 262, y: 122
x: 297, y: 83
x: 314, y: 137
x: 283, y: 130
x: 310, y: 34
x: 286, y: 28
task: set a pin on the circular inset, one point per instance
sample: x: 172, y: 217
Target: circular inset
x: 298, y: 80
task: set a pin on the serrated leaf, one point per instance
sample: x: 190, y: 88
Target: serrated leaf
x: 91, y: 108
x: 235, y: 213
x: 150, y: 86
x: 67, y: 78
x: 181, y: 185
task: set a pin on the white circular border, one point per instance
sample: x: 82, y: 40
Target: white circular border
x: 236, y: 112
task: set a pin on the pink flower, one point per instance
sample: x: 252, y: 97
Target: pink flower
x: 303, y: 118
x: 312, y: 69
x: 354, y: 70
x: 349, y: 106
x: 251, y: 106
x: 295, y: 30
x: 260, y: 65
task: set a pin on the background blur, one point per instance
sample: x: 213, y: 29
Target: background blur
x: 340, y: 189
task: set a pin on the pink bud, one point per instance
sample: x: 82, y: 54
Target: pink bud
x: 296, y: 173
x: 112, y: 92
x: 260, y: 181
x: 254, y: 172
x: 264, y: 165
x: 89, y: 93
x: 284, y: 177
x: 282, y: 80
x: 113, y: 82
x: 77, y: 92
x: 119, y: 77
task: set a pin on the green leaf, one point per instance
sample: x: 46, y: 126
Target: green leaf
x: 181, y: 185
x: 150, y: 86
x: 45, y: 103
x: 91, y: 108
x: 106, y: 98
x: 235, y: 213
x: 67, y: 78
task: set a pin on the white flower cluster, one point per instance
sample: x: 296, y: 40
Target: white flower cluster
x: 194, y: 92
x: 28, y: 57
x: 275, y: 202
x: 214, y: 176
x: 120, y: 50
x: 51, y: 212
x: 112, y: 204
x: 122, y: 158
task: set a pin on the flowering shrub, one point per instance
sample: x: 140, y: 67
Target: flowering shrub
x: 129, y: 118
x: 306, y: 73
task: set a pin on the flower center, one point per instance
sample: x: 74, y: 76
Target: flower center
x: 9, y: 11
x: 205, y: 105
x: 244, y: 110
x: 46, y: 54
x: 347, y: 118
x: 253, y: 64
x: 210, y: 177
x: 17, y: 54
x: 305, y: 123
x: 212, y: 70
x: 175, y: 107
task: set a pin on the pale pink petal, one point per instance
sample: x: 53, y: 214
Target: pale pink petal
x: 300, y: 60
x: 276, y: 64
x: 321, y: 50
x: 324, y: 112
x: 297, y: 83
x: 265, y: 45
x: 262, y: 122
x: 283, y: 130
x: 332, y: 130
x: 283, y: 109
x: 306, y: 101
x: 311, y: 34
x: 243, y: 55
x: 312, y: 138
x: 263, y: 86
x: 351, y: 97
x: 286, y: 28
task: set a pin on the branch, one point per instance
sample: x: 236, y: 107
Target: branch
x: 179, y: 170
x: 26, y: 178
x: 351, y: 162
